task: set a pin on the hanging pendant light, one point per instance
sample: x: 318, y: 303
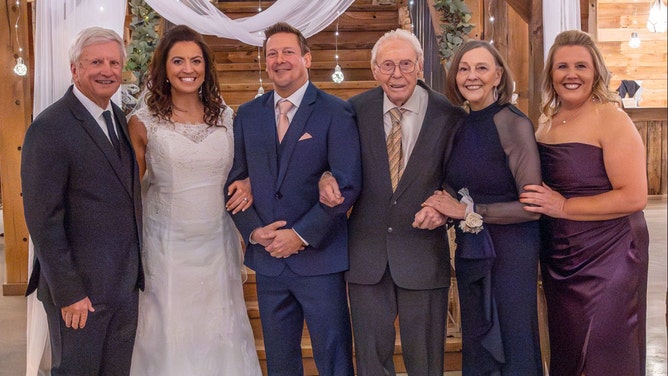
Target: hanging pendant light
x: 657, y: 20
x: 634, y: 42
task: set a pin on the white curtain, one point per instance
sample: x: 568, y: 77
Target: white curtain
x: 559, y: 16
x: 57, y: 22
x: 309, y: 16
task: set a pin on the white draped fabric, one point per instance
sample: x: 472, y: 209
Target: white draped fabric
x: 57, y: 22
x: 309, y: 16
x: 559, y: 16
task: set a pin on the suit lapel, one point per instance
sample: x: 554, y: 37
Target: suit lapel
x: 90, y: 125
x: 374, y: 126
x: 295, y: 131
x: 424, y: 145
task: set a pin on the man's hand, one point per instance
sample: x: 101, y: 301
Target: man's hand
x: 428, y: 218
x: 265, y: 235
x: 76, y: 315
x: 329, y: 191
x: 285, y: 244
x: 241, y: 197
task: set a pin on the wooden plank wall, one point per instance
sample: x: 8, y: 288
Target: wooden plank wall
x: 16, y: 104
x: 653, y: 127
x: 616, y: 20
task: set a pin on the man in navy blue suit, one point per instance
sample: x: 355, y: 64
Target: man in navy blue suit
x: 284, y: 141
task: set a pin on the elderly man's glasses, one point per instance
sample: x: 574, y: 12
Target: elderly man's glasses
x: 405, y: 66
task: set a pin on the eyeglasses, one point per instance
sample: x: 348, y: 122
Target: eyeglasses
x: 388, y: 66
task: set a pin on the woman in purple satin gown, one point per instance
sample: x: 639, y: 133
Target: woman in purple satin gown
x: 595, y: 239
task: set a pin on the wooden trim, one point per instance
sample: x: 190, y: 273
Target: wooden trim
x: 16, y: 104
x: 537, y: 60
x: 647, y: 114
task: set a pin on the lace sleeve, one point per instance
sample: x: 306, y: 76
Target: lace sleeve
x: 516, y: 134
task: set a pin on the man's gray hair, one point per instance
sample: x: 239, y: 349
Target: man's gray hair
x: 94, y: 35
x: 400, y: 34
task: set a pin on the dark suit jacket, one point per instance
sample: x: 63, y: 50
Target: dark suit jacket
x: 380, y: 223
x: 284, y: 178
x: 82, y: 206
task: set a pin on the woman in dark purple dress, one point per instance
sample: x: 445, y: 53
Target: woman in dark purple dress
x: 494, y: 155
x: 595, y: 239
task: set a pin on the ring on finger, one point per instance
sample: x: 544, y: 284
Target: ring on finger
x: 245, y: 199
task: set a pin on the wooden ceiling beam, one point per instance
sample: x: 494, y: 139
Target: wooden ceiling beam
x: 522, y: 8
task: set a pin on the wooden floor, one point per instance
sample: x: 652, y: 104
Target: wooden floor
x: 13, y: 308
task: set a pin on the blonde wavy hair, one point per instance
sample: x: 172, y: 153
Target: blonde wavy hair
x: 600, y: 91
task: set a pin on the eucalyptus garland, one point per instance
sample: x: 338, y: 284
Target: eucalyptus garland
x: 456, y: 26
x: 145, y: 37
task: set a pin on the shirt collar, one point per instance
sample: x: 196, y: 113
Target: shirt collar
x: 412, y: 104
x: 295, y: 98
x: 92, y: 108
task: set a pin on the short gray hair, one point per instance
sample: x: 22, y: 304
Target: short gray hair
x: 400, y: 34
x: 94, y: 35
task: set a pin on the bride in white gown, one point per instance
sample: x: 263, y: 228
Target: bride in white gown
x: 192, y: 314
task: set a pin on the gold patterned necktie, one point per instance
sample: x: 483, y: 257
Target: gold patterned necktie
x: 394, y: 154
x: 284, y: 107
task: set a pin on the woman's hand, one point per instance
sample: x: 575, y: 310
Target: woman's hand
x: 241, y: 197
x: 542, y: 199
x: 329, y: 191
x: 446, y: 205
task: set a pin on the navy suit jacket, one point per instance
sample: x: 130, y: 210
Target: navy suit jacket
x: 82, y: 207
x: 284, y: 178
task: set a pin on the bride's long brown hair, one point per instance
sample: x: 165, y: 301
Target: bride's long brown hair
x: 159, y: 97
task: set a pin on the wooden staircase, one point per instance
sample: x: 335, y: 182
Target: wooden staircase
x: 239, y: 74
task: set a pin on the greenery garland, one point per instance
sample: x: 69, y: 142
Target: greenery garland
x: 456, y: 26
x: 145, y: 37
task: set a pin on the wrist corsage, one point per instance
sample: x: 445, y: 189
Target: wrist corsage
x: 472, y: 221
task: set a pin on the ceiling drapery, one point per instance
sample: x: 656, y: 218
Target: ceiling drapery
x: 309, y: 16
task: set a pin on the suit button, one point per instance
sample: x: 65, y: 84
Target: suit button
x: 394, y: 202
x: 278, y: 195
x: 389, y: 229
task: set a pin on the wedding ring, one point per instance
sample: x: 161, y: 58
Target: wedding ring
x: 245, y: 199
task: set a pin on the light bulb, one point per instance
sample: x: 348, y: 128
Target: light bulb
x: 20, y: 68
x: 657, y: 20
x: 260, y: 91
x: 337, y: 76
x: 634, y: 42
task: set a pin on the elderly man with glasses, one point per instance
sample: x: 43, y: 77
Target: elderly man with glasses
x: 399, y: 254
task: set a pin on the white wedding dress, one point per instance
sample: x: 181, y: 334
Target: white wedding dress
x: 192, y: 314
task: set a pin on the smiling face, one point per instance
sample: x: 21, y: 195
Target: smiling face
x: 286, y: 66
x: 398, y: 86
x: 573, y: 75
x: 97, y: 73
x: 185, y: 67
x: 477, y: 76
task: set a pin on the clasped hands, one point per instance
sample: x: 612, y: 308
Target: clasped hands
x: 427, y: 218
x: 279, y: 242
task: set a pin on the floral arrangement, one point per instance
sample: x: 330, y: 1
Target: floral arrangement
x: 456, y: 26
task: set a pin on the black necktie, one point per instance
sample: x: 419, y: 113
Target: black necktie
x: 112, y: 132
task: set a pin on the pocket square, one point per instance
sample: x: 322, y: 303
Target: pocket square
x: 305, y: 136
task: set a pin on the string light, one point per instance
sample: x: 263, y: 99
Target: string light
x: 491, y: 22
x: 20, y: 68
x: 260, y: 90
x: 337, y: 76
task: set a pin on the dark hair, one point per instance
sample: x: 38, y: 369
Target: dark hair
x: 600, y: 91
x: 284, y: 27
x: 505, y: 88
x: 159, y: 98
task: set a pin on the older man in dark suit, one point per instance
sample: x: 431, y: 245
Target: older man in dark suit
x: 399, y: 255
x: 83, y: 209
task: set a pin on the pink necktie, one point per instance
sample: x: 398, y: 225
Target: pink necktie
x: 394, y: 154
x: 284, y: 107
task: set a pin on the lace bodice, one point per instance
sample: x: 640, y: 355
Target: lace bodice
x: 187, y: 165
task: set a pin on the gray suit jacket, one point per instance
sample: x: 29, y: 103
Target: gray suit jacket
x: 82, y: 206
x: 380, y: 230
